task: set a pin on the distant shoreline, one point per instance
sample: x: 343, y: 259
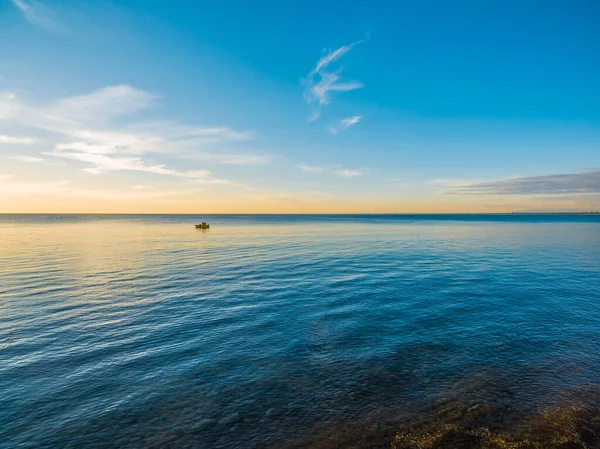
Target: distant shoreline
x: 555, y: 213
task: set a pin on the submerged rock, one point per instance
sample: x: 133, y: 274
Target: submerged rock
x: 558, y: 428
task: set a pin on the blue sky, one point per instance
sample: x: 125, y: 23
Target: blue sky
x: 153, y: 106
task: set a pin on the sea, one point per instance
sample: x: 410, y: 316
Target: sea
x: 299, y: 331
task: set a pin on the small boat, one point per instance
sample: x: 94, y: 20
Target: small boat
x: 203, y: 225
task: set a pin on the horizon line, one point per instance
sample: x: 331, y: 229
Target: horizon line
x: 308, y: 213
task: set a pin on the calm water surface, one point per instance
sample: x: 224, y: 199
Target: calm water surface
x: 141, y: 331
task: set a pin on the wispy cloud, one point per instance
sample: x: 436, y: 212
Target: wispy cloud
x: 235, y: 159
x: 76, y: 115
x: 17, y: 140
x: 345, y: 173
x: 207, y: 134
x: 36, y: 13
x: 337, y: 170
x: 333, y: 55
x: 28, y: 158
x: 568, y: 183
x: 345, y: 124
x: 320, y: 81
x: 101, y: 163
x: 86, y: 134
x: 310, y: 168
x: 105, y: 103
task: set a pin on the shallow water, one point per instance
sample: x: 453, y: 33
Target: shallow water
x: 264, y: 331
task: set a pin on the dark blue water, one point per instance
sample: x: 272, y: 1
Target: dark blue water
x: 264, y: 331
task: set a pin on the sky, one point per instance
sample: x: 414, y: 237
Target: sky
x: 429, y: 106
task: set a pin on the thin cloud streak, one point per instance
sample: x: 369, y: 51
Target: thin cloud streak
x: 338, y: 170
x: 233, y: 159
x: 345, y: 124
x: 36, y: 13
x: 101, y: 104
x: 333, y: 56
x: 102, y: 163
x: 568, y: 183
x: 345, y: 173
x: 17, y: 140
x: 27, y: 158
x: 310, y: 168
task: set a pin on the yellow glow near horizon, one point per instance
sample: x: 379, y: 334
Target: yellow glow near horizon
x: 154, y: 202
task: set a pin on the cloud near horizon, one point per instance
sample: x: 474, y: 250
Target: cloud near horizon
x: 553, y: 184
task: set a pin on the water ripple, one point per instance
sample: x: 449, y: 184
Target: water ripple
x: 139, y: 331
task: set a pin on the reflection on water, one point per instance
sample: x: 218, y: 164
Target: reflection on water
x: 279, y: 331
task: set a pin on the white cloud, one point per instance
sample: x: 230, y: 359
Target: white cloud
x: 333, y: 55
x: 17, y: 140
x: 345, y: 124
x: 336, y: 170
x: 76, y: 116
x: 102, y: 163
x: 233, y: 159
x: 9, y: 106
x: 351, y: 120
x: 310, y: 168
x: 82, y: 125
x: 345, y: 173
x: 319, y: 83
x: 208, y: 134
x: 28, y: 158
x: 108, y: 102
x: 36, y: 13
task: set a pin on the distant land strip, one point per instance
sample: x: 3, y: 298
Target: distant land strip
x: 556, y: 213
